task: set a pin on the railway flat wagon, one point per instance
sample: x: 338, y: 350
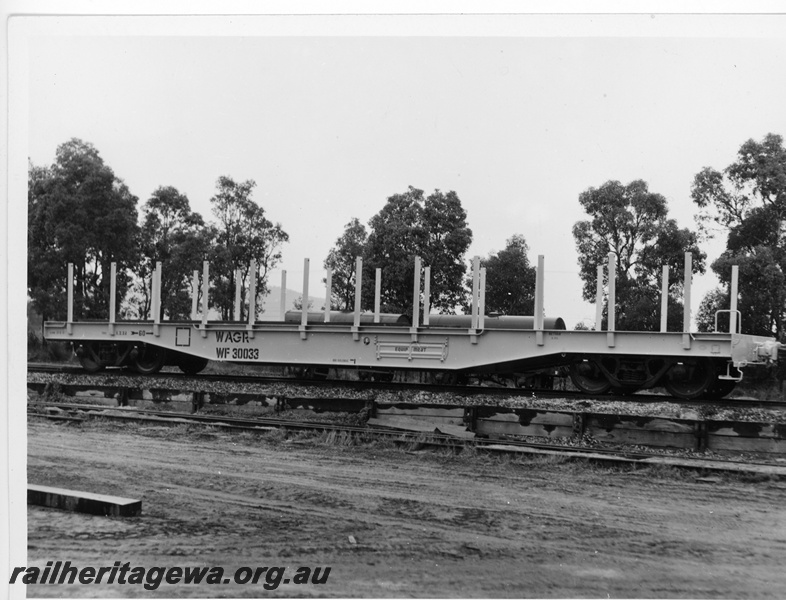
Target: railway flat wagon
x: 688, y: 364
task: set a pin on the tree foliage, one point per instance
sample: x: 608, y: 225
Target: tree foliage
x: 78, y: 212
x: 176, y: 236
x: 409, y: 225
x: 632, y: 223
x: 242, y: 234
x: 747, y: 201
x: 342, y: 261
x: 714, y: 300
x: 46, y: 269
x: 510, y: 280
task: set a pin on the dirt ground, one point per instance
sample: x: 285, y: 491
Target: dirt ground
x: 424, y: 523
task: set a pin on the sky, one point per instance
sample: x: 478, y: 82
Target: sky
x: 516, y: 114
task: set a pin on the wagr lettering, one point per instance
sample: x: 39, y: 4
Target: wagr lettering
x: 234, y: 337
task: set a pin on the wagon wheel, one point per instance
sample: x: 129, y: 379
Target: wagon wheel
x: 191, y: 365
x: 88, y: 357
x: 587, y: 376
x: 149, y: 360
x: 720, y: 389
x: 690, y: 378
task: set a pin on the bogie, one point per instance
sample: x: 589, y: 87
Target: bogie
x: 721, y: 386
x: 89, y: 357
x: 190, y: 365
x: 95, y: 356
x: 589, y: 378
x: 690, y: 378
x: 149, y: 359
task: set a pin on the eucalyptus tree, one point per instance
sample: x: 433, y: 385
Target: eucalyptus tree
x: 510, y: 279
x: 341, y: 260
x: 79, y: 212
x: 411, y: 224
x: 632, y: 223
x: 242, y: 234
x: 176, y: 236
x: 747, y: 203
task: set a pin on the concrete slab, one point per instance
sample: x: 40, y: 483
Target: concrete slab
x: 85, y: 502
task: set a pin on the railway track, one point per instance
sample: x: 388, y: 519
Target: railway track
x: 78, y: 413
x: 736, y: 425
x: 178, y: 380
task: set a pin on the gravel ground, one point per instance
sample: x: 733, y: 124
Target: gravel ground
x: 399, y: 522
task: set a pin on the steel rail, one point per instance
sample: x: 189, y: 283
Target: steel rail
x: 258, y: 422
x: 425, y: 439
x: 456, y: 390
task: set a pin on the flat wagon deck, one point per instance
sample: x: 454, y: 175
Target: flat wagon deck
x: 688, y: 364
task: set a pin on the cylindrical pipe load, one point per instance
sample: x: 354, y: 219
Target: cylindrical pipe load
x: 498, y: 322
x: 338, y: 317
x: 446, y: 321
